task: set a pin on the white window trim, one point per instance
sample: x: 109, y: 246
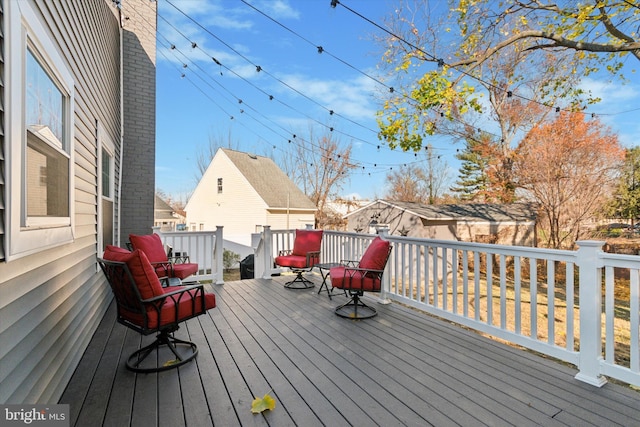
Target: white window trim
x: 24, y: 25
x: 105, y: 143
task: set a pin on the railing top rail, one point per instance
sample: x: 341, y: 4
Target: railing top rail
x: 188, y: 233
x: 621, y: 260
x: 529, y: 252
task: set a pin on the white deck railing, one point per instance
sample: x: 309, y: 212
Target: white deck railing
x: 203, y: 247
x: 550, y: 301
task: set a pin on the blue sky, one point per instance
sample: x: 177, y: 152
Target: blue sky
x: 195, y: 103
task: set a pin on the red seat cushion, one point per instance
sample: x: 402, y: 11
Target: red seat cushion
x: 307, y: 241
x: 182, y: 271
x: 292, y: 261
x: 375, y: 257
x: 187, y: 305
x: 151, y: 245
x: 143, y: 273
x: 342, y: 278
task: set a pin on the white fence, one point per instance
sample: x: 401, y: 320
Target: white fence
x: 203, y: 247
x: 582, y: 307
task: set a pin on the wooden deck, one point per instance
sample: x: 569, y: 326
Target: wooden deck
x: 399, y: 368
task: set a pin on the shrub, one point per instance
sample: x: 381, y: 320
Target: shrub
x: 229, y: 259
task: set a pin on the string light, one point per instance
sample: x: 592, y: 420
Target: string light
x: 258, y: 68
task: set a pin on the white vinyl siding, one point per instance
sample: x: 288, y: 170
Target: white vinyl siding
x: 2, y: 141
x: 53, y: 297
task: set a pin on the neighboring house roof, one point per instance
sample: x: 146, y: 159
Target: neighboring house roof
x: 269, y: 181
x: 468, y: 212
x: 162, y: 210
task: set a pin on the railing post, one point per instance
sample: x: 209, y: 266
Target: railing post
x: 267, y: 252
x: 218, y: 255
x: 590, y: 301
x: 257, y: 242
x: 386, y: 280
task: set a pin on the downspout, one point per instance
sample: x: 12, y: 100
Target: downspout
x: 119, y: 208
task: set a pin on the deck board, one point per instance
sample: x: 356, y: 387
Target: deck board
x: 401, y: 367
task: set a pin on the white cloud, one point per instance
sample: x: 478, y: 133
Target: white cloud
x: 209, y: 13
x: 612, y: 94
x: 174, y: 28
x: 350, y: 98
x: 278, y: 9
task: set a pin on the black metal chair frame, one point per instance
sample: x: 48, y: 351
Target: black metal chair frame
x: 118, y: 274
x: 355, y: 308
x: 301, y: 282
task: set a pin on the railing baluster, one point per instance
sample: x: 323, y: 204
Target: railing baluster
x: 411, y: 278
x: 609, y: 303
x: 434, y: 268
x: 465, y: 283
x: 503, y: 292
x: 533, y: 297
x: 476, y: 284
x: 444, y: 279
x: 489, y: 261
x: 634, y: 314
x: 570, y: 307
x: 517, y: 289
x: 428, y: 254
x: 551, y: 298
x: 454, y: 280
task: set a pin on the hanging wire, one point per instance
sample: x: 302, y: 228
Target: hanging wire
x: 258, y: 68
x: 441, y: 63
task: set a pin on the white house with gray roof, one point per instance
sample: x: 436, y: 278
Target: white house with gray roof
x: 510, y: 224
x: 243, y: 192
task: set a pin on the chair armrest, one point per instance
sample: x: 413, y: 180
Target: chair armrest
x: 313, y: 258
x: 182, y: 290
x: 165, y: 265
x: 349, y: 262
x: 182, y: 259
x: 368, y: 270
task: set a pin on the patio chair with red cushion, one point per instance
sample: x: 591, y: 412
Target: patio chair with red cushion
x: 304, y: 255
x: 146, y: 307
x: 166, y: 268
x: 358, y: 277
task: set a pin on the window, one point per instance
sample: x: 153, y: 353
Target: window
x: 106, y: 214
x: 40, y: 135
x: 219, y: 185
x: 107, y: 174
x: 47, y: 163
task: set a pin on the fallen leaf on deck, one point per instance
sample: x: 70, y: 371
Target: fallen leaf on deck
x: 258, y: 405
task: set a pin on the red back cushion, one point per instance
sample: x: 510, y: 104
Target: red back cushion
x: 307, y: 241
x: 375, y: 257
x: 143, y: 273
x: 117, y: 249
x: 151, y: 245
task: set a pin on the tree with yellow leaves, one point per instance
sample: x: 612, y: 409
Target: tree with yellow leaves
x: 496, y: 69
